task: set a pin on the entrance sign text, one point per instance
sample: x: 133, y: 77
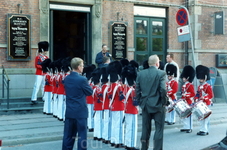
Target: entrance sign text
x: 119, y: 40
x: 19, y: 44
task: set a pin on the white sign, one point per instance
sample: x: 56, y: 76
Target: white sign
x: 183, y: 30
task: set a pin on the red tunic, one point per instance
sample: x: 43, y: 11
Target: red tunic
x: 129, y: 97
x: 115, y: 94
x: 97, y: 93
x: 48, y: 84
x: 89, y: 99
x: 105, y: 98
x: 54, y: 89
x: 61, y: 89
x: 205, y: 93
x: 188, y: 92
x: 172, y: 87
x: 67, y: 73
x: 38, y: 60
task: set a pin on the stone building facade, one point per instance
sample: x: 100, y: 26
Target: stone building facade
x: 95, y: 17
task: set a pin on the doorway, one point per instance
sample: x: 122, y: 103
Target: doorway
x: 70, y: 35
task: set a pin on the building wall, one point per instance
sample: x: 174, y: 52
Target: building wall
x: 206, y: 44
x: 27, y: 7
x: 110, y: 11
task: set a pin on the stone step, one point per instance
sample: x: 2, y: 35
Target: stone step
x: 37, y: 127
x: 20, y: 106
x: 18, y: 99
x: 21, y: 110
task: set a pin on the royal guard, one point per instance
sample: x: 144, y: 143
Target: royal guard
x: 171, y: 87
x: 60, y: 91
x: 90, y: 120
x: 47, y: 88
x: 66, y: 69
x: 106, y: 111
x: 129, y: 75
x: 98, y: 104
x: 116, y: 96
x: 54, y: 88
x: 42, y: 52
x: 188, y: 93
x: 204, y: 94
x: 52, y: 82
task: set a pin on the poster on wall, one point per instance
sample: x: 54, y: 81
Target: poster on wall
x: 18, y: 37
x: 119, y: 40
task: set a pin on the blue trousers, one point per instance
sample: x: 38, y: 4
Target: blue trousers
x: 73, y: 127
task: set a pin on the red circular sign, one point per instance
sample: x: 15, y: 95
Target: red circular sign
x: 182, y: 17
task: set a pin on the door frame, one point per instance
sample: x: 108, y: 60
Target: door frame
x: 88, y: 38
x: 149, y: 37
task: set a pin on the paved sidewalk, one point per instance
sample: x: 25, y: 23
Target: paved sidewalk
x: 24, y: 129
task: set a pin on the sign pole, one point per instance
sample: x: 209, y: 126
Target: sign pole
x: 192, y: 43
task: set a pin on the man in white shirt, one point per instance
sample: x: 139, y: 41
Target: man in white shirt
x: 169, y: 59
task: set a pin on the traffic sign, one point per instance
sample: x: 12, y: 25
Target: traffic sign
x: 182, y: 17
x: 183, y: 33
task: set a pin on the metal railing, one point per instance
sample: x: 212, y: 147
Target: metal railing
x: 5, y: 84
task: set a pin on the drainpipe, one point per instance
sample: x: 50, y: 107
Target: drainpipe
x: 186, y: 43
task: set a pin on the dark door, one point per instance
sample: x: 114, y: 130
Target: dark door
x: 70, y: 35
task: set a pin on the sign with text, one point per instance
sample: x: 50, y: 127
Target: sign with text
x: 183, y: 33
x: 119, y: 40
x: 219, y: 22
x: 18, y: 28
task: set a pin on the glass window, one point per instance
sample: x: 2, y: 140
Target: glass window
x: 141, y: 26
x: 157, y: 28
x: 157, y: 44
x: 141, y: 44
x: 140, y: 58
x: 160, y: 57
x: 149, y: 11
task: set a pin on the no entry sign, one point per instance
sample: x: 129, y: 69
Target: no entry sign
x: 182, y: 17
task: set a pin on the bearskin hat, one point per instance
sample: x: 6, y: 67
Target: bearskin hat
x: 66, y: 64
x: 52, y: 67
x: 134, y: 64
x: 88, y: 70
x: 124, y: 62
x: 188, y: 73
x: 43, y: 46
x: 96, y: 76
x: 171, y: 70
x: 104, y: 75
x: 114, y: 70
x: 45, y: 65
x: 145, y: 64
x: 202, y: 72
x: 58, y: 64
x: 161, y: 65
x: 129, y: 73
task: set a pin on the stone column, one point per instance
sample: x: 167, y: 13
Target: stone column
x: 196, y: 27
x: 96, y: 28
x: 44, y: 20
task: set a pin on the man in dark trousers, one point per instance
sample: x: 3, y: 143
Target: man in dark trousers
x: 151, y: 95
x: 76, y: 89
